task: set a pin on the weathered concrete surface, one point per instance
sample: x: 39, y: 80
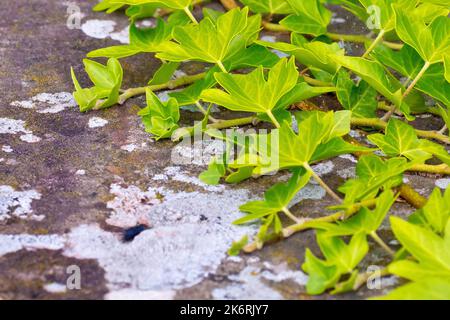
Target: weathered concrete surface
x: 71, y: 182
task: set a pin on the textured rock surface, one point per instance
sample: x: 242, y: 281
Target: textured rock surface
x: 70, y: 182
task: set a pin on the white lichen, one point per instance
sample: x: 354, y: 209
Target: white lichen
x: 17, y: 203
x: 14, y: 126
x: 102, y: 29
x: 129, y: 147
x: 55, y: 287
x: 443, y: 183
x: 131, y: 206
x: 13, y: 243
x: 96, y: 122
x: 130, y: 294
x: 48, y: 102
x: 7, y: 149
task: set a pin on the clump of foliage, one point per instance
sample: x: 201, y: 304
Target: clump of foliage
x: 404, y: 71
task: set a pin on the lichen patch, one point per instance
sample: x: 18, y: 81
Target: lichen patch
x: 17, y: 203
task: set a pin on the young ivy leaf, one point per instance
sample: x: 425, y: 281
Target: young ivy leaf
x: 252, y: 92
x: 373, y: 174
x: 431, y: 41
x: 341, y: 259
x: 210, y: 41
x: 237, y: 246
x: 361, y: 99
x: 145, y: 39
x: 401, y: 139
x: 160, y: 119
x: 268, y: 6
x: 107, y: 82
x: 276, y: 199
x: 310, y: 17
x: 216, y: 170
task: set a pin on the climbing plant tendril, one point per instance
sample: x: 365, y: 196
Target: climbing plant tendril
x: 403, y: 72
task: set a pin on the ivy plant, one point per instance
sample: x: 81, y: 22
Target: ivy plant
x: 401, y: 75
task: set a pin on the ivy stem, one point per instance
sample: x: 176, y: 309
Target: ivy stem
x: 412, y: 196
x: 316, y: 82
x: 334, y: 36
x: 190, y: 15
x: 437, y: 169
x: 416, y: 79
x: 273, y: 119
x: 443, y: 130
x: 172, y: 84
x: 382, y: 244
x: 361, y: 39
x: 380, y: 124
x: 321, y: 182
x: 378, y: 39
x: 419, y: 76
x: 222, y: 67
x: 224, y: 124
x: 202, y: 110
x: 288, y: 213
x: 305, y: 224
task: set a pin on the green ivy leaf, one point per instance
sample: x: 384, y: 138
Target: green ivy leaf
x: 435, y: 214
x: 432, y: 254
x: 373, y: 73
x: 361, y: 99
x: 276, y: 199
x: 252, y: 92
x: 428, y: 248
x: 164, y: 73
x: 341, y: 258
x: 409, y: 63
x: 210, y: 41
x: 310, y: 17
x: 312, y: 54
x: 143, y: 40
x: 385, y: 10
x: 107, y: 82
x: 431, y: 41
x: 427, y: 289
x: 322, y: 275
x: 401, y: 139
x: 141, y: 11
x: 268, y: 6
x: 237, y: 246
x: 160, y: 119
x: 345, y: 256
x: 212, y: 176
x: 373, y: 174
x: 174, y: 4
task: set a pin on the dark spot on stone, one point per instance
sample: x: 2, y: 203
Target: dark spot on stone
x: 131, y: 233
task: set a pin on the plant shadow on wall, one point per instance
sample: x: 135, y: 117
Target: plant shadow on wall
x: 404, y: 72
